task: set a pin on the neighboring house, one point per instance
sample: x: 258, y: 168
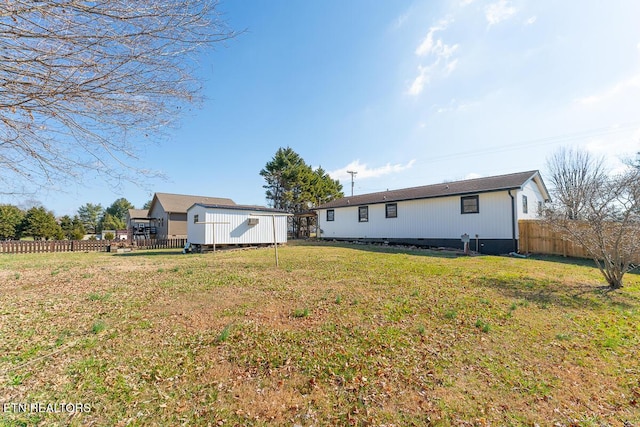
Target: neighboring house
x: 168, y: 213
x: 215, y: 224
x: 138, y: 224
x: 486, y: 209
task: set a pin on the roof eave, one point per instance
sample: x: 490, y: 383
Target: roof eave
x: 393, y: 200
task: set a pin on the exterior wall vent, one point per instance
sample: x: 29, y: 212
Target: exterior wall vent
x: 252, y: 221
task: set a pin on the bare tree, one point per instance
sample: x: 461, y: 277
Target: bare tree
x: 601, y: 213
x: 81, y: 83
x: 574, y: 174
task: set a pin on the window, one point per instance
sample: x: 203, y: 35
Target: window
x: 391, y: 210
x: 539, y: 208
x: 525, y: 206
x: 363, y: 214
x: 469, y: 205
x: 331, y: 214
x: 195, y: 219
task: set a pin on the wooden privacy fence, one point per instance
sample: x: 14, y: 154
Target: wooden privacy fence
x: 158, y: 243
x: 537, y: 237
x: 43, y: 246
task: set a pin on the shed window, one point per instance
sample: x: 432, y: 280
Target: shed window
x: 391, y: 210
x: 331, y: 214
x: 525, y: 205
x: 195, y: 219
x: 469, y: 204
x: 363, y: 214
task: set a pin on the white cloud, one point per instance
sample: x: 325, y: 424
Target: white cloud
x: 443, y: 53
x: 365, y: 172
x: 619, y: 88
x: 466, y: 2
x: 418, y: 83
x: 531, y: 20
x: 499, y: 11
x: 428, y: 45
x: 450, y: 67
x: 401, y: 20
x: 453, y: 106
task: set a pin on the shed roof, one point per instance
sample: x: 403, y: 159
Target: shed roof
x: 240, y: 207
x: 179, y: 203
x: 467, y: 186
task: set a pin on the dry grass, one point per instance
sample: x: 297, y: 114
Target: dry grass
x: 338, y: 335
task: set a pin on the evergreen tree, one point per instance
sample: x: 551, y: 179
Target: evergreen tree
x: 111, y: 222
x: 10, y: 219
x: 90, y: 216
x: 72, y: 227
x: 119, y: 209
x: 40, y: 224
x: 293, y: 186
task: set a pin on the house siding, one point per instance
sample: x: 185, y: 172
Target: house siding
x: 432, y: 222
x: 531, y: 190
x: 177, y: 225
x: 159, y: 219
x: 438, y: 218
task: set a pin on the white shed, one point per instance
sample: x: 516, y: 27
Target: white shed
x: 211, y: 225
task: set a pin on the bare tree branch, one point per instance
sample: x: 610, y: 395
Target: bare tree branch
x: 598, y: 211
x: 574, y: 175
x: 80, y: 81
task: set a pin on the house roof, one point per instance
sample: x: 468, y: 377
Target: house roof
x: 467, y: 186
x: 138, y: 213
x: 179, y: 203
x: 240, y: 208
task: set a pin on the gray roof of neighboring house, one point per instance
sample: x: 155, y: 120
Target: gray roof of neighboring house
x: 240, y: 207
x: 138, y: 213
x: 179, y: 203
x: 467, y: 186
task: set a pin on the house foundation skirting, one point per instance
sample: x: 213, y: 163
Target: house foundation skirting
x: 486, y: 246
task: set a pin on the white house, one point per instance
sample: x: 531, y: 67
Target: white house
x: 214, y: 224
x: 485, y: 209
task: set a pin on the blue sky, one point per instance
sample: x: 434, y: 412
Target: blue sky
x: 406, y: 93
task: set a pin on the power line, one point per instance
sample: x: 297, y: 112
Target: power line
x: 538, y: 142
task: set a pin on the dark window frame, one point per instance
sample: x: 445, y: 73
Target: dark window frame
x: 331, y: 215
x: 361, y: 210
x: 463, y: 211
x: 196, y: 217
x: 395, y: 210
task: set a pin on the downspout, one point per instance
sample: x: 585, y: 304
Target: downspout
x: 513, y: 221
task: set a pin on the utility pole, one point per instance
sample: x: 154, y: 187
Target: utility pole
x: 352, y: 174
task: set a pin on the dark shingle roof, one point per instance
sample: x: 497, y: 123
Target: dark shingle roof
x: 240, y: 207
x: 468, y: 186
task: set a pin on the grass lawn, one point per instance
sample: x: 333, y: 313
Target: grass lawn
x: 338, y: 335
